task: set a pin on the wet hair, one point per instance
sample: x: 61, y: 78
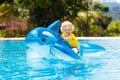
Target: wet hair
x: 67, y: 23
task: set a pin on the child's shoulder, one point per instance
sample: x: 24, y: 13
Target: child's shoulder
x: 72, y: 34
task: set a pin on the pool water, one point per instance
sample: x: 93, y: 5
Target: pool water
x: 14, y: 64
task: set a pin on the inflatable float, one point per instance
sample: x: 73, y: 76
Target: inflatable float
x: 48, y: 43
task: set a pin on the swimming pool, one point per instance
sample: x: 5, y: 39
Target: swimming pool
x: 14, y: 64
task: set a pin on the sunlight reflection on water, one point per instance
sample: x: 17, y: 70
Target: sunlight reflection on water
x: 15, y: 66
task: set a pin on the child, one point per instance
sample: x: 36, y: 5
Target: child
x: 67, y: 28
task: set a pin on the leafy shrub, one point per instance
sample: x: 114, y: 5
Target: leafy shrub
x: 12, y: 33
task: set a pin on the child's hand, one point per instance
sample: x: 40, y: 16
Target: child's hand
x: 68, y: 38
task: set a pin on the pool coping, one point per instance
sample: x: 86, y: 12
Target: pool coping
x: 94, y: 38
x: 91, y: 38
x: 18, y: 38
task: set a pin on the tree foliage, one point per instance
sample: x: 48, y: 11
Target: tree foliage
x: 113, y: 29
x: 43, y: 12
x: 100, y: 7
x: 89, y: 19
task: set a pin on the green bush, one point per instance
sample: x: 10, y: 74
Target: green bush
x: 113, y: 29
x: 12, y: 33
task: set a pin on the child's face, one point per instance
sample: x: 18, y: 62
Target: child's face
x: 67, y: 30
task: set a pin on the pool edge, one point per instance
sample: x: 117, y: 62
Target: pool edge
x: 94, y: 38
x: 91, y: 38
x: 19, y: 38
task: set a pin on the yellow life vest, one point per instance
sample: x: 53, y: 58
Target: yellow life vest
x: 73, y: 42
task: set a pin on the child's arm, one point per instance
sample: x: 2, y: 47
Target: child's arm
x: 68, y: 38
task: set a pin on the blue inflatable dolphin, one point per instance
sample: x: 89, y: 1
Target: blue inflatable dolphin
x: 47, y: 43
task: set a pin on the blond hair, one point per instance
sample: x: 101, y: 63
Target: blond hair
x: 66, y: 23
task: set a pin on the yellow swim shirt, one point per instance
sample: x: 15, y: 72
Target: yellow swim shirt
x: 73, y: 42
